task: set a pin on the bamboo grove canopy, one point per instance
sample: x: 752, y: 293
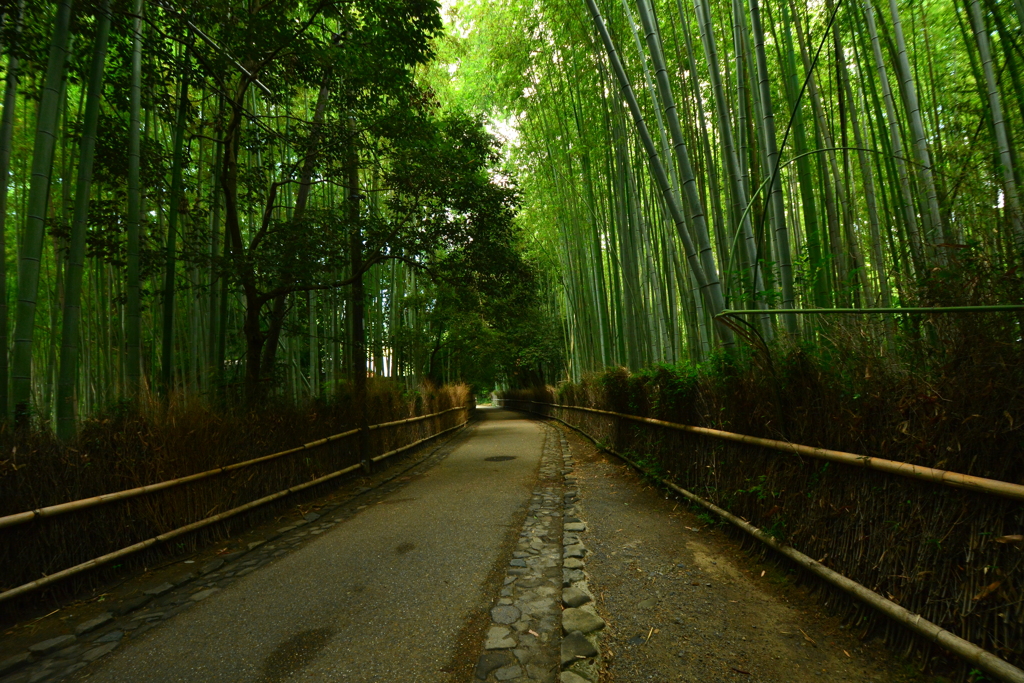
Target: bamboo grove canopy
x: 683, y: 157
x: 205, y: 195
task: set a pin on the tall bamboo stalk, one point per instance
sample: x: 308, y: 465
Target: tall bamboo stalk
x: 934, y: 227
x: 31, y: 251
x: 66, y: 413
x: 6, y: 143
x: 772, y: 158
x: 1010, y: 199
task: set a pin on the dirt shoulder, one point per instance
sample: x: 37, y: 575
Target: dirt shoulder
x: 684, y: 603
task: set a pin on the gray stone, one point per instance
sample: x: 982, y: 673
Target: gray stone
x: 571, y: 677
x: 68, y: 652
x: 182, y: 580
x: 505, y: 614
x: 574, y: 597
x: 14, y: 663
x: 131, y: 605
x: 211, y: 566
x: 202, y: 595
x: 648, y: 603
x: 52, y: 645
x: 518, y: 563
x: 571, y: 576
x: 40, y: 675
x: 111, y: 637
x: 97, y: 652
x: 499, y: 638
x: 574, y: 619
x: 509, y: 672
x: 576, y: 550
x: 159, y: 590
x: 255, y: 544
x: 574, y: 526
x: 94, y: 623
x: 311, y: 517
x: 575, y: 646
x: 573, y: 563
x: 490, y: 661
x: 285, y: 529
x: 73, y: 668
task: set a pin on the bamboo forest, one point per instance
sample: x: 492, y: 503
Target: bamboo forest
x: 533, y: 194
x: 718, y: 240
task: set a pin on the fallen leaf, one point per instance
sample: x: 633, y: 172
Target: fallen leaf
x: 808, y: 638
x: 988, y: 590
x: 1014, y: 538
x: 762, y: 573
x: 533, y: 633
x: 847, y: 654
x: 740, y: 671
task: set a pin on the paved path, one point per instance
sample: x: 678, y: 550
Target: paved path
x: 381, y: 597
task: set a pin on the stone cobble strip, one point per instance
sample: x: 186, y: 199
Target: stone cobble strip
x: 580, y: 652
x: 544, y: 626
x: 523, y: 640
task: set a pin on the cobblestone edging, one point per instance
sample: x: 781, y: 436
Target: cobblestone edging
x: 57, y: 658
x: 580, y: 655
x: 524, y: 641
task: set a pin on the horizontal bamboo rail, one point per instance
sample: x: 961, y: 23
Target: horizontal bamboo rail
x: 174, y: 533
x: 870, y: 311
x: 84, y: 503
x: 964, y: 649
x: 903, y: 469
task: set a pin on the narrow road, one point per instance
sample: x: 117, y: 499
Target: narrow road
x: 453, y: 571
x: 380, y: 597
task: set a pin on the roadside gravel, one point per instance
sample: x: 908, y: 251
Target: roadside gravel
x: 684, y: 603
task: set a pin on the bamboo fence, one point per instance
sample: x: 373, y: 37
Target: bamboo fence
x: 85, y: 503
x: 72, y: 506
x: 966, y: 650
x: 903, y: 469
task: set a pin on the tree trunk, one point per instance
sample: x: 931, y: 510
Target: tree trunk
x: 133, y: 316
x: 68, y: 378
x: 358, y: 308
x: 774, y: 183
x: 6, y: 137
x: 35, y: 220
x: 177, y: 203
x: 1010, y: 199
